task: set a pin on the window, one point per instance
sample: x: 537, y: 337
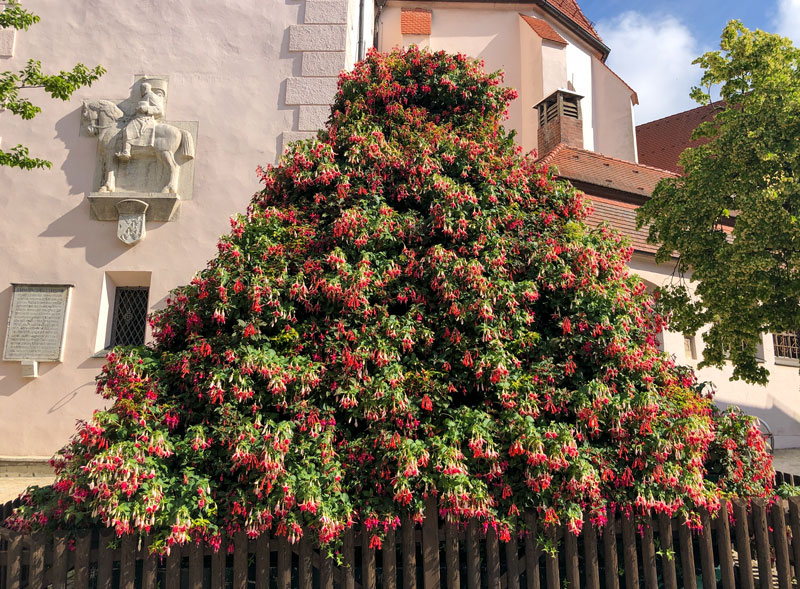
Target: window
x: 123, y: 306
x: 786, y: 347
x: 130, y: 316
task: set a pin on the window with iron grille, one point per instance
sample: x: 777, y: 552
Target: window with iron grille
x: 130, y: 316
x: 786, y: 346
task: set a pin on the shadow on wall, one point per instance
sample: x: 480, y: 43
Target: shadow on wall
x: 81, y: 150
x: 297, y: 70
x: 782, y: 423
x: 98, y: 238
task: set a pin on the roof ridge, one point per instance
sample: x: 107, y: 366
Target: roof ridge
x: 562, y: 146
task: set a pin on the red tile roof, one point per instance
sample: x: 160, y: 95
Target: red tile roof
x: 571, y: 9
x: 543, y: 29
x: 622, y: 217
x: 415, y: 21
x: 601, y: 170
x: 661, y: 142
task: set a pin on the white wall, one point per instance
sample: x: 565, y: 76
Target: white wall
x: 579, y: 73
x: 228, y: 65
x: 614, y: 130
x: 778, y: 403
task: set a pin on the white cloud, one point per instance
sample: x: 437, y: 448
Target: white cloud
x: 787, y: 20
x: 654, y: 54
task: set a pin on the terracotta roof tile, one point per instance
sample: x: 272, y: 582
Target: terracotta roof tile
x: 543, y: 29
x: 571, y: 9
x: 661, y: 142
x: 415, y: 22
x: 622, y: 217
x: 601, y: 170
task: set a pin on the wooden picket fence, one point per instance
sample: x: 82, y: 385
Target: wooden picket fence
x: 759, y: 550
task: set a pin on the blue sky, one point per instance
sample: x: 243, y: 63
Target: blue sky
x: 653, y: 43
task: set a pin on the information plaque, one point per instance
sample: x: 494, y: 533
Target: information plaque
x: 36, y: 322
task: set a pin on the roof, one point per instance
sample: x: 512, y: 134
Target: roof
x: 571, y: 9
x: 567, y: 12
x: 661, y: 142
x: 543, y: 29
x: 594, y: 168
x: 622, y: 217
x: 416, y: 21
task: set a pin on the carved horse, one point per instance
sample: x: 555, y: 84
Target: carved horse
x: 103, y: 118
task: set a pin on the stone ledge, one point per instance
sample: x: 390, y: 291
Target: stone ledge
x: 313, y: 118
x: 315, y: 91
x: 317, y: 38
x: 326, y: 12
x: 25, y: 466
x: 322, y: 63
x: 161, y: 206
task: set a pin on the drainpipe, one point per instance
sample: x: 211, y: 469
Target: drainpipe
x: 361, y: 52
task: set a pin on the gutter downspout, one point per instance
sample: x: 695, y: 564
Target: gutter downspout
x: 361, y: 51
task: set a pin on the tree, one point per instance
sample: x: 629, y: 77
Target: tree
x: 12, y: 83
x: 409, y: 306
x: 732, y: 216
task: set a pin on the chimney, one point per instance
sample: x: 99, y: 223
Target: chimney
x: 560, y: 121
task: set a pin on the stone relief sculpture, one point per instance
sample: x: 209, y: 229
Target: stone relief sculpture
x: 119, y: 136
x: 141, y: 156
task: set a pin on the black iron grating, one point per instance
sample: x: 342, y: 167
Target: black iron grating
x: 130, y: 316
x: 786, y: 345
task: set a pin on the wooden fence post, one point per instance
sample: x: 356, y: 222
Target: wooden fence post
x: 629, y: 552
x: 610, y: 557
x: 262, y: 561
x: 762, y: 543
x: 649, y: 556
x: 409, y: 554
x: 667, y: 551
x: 59, y: 570
x: 707, y: 551
x: 82, y: 545
x: 552, y: 573
x: 14, y: 562
x: 532, y: 551
x: 794, y: 519
x: 451, y: 554
x: 430, y: 544
x: 304, y: 573
x: 473, y: 557
x: 724, y: 545
x: 240, y: 561
x: 592, y: 563
x: 742, y: 530
x: 512, y: 563
x: 781, y: 545
x: 389, y: 559
x: 689, y: 580
x: 492, y: 559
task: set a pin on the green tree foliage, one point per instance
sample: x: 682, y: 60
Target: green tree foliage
x: 733, y: 215
x: 409, y: 306
x: 14, y: 83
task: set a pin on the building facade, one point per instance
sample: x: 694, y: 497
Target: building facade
x: 198, y: 94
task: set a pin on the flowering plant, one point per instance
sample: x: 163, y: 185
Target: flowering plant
x: 409, y: 307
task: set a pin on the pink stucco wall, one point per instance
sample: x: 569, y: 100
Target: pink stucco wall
x: 227, y: 64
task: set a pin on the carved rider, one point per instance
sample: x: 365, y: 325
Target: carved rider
x: 139, y: 130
